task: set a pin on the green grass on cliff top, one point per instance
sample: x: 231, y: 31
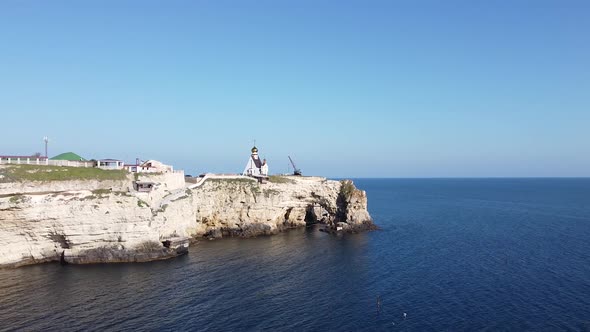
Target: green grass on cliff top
x: 21, y: 173
x: 279, y: 179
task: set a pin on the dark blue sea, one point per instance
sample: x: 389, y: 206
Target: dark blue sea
x: 453, y: 254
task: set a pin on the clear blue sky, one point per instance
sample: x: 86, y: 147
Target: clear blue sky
x: 348, y: 88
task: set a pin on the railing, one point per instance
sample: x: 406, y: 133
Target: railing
x: 24, y: 160
x: 43, y: 161
x: 4, y: 160
x: 218, y: 176
x: 110, y: 167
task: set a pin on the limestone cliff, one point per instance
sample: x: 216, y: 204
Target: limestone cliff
x: 242, y: 207
x: 38, y: 224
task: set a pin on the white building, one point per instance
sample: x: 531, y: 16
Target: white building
x: 154, y: 166
x: 255, y: 167
x: 150, y: 166
x: 110, y: 164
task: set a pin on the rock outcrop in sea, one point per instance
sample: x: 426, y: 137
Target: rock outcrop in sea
x: 101, y: 221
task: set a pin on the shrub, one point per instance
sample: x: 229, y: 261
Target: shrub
x: 17, y: 199
x: 100, y: 192
x: 148, y: 246
x: 271, y: 192
x: 347, y: 189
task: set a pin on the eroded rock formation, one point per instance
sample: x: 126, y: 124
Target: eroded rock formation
x: 112, y: 221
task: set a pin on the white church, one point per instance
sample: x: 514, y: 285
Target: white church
x: 255, y: 167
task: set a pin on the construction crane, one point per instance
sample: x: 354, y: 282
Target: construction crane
x: 296, y: 171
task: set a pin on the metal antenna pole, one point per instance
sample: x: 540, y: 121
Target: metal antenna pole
x: 46, y: 140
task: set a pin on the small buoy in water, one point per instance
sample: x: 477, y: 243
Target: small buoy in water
x: 405, y: 315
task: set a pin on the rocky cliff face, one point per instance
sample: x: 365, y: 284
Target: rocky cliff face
x: 41, y: 225
x: 242, y: 207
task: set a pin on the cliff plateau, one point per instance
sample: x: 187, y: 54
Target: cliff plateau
x: 109, y: 221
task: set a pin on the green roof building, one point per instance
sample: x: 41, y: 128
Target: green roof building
x: 70, y: 156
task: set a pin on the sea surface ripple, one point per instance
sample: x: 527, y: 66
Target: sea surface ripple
x: 453, y: 254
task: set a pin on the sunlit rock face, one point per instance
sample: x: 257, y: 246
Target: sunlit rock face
x: 78, y: 217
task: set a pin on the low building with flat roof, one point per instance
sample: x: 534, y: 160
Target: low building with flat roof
x: 110, y: 164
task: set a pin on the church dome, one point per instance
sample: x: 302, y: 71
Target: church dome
x: 254, y: 150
